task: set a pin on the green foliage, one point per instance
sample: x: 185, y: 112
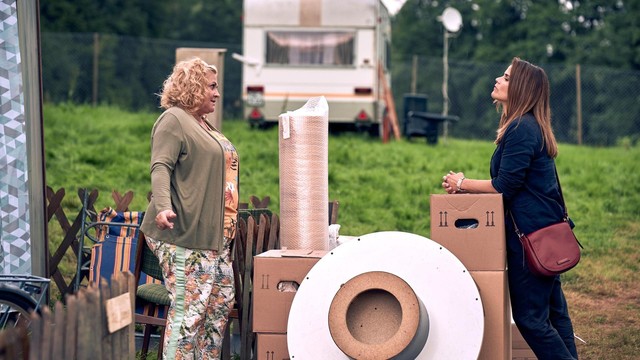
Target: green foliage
x: 585, y: 32
x: 190, y: 20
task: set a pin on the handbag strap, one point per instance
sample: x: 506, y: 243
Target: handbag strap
x: 564, y: 206
x: 515, y: 225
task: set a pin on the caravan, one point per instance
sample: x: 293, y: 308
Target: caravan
x: 297, y: 49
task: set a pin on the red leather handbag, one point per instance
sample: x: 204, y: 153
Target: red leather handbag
x: 553, y: 249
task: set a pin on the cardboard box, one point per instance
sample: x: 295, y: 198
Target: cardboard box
x: 522, y: 354
x: 517, y: 341
x: 520, y: 350
x: 471, y: 226
x: 272, y: 347
x: 493, y: 288
x: 276, y: 277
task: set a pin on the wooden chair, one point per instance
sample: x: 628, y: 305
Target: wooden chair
x: 154, y: 297
x: 254, y: 235
x: 262, y: 204
x: 333, y: 211
x: 258, y: 231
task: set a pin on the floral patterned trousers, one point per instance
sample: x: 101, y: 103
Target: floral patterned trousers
x: 201, y: 287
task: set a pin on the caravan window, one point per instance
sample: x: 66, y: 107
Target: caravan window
x: 310, y: 48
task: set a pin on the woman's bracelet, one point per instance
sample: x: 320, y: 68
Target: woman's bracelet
x: 459, y: 184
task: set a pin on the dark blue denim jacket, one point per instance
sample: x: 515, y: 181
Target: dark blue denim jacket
x: 525, y: 175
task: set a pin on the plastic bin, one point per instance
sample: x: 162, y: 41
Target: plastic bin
x: 419, y: 122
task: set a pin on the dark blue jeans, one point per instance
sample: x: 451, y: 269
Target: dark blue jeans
x: 539, y: 308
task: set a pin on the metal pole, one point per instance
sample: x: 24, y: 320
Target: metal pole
x: 445, y: 81
x: 414, y: 74
x: 578, y: 105
x: 96, y: 58
x: 85, y: 199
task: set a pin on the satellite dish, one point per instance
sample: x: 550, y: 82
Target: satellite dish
x: 451, y: 19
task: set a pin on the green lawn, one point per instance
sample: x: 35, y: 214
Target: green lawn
x: 387, y: 187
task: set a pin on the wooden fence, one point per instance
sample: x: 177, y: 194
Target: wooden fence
x: 96, y: 323
x: 71, y: 225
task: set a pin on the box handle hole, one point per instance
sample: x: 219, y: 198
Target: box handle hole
x: 288, y: 286
x: 466, y: 224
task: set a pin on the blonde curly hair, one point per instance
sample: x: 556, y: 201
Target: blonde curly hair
x: 185, y: 87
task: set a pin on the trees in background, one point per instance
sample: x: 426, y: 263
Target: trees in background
x: 588, y: 32
x: 218, y: 21
x: 584, y: 32
x: 602, y: 37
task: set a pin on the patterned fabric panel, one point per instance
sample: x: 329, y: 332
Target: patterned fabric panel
x: 15, y: 230
x: 116, y: 254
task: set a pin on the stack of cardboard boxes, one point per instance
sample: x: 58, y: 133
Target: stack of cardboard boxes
x: 472, y: 228
x: 276, y: 277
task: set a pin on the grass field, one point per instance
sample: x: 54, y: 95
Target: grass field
x: 387, y: 187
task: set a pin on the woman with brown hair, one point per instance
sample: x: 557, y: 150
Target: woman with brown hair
x: 523, y: 171
x: 191, y: 218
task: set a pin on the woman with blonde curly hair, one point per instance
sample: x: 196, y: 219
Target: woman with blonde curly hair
x: 191, y: 219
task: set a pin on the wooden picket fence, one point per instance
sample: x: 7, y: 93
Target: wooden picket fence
x: 96, y: 323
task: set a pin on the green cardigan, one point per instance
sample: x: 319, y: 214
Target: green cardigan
x: 187, y: 175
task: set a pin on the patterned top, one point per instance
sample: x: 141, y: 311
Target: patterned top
x: 231, y: 181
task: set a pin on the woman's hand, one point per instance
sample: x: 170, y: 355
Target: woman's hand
x: 164, y: 219
x: 450, y: 181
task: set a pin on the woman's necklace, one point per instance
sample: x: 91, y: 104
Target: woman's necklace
x: 203, y: 123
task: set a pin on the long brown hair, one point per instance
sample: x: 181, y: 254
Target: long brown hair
x: 528, y: 91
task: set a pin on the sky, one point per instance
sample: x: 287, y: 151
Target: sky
x: 393, y: 5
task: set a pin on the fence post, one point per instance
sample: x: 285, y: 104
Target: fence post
x: 57, y: 351
x: 36, y: 337
x: 578, y: 105
x: 70, y: 327
x: 414, y: 74
x: 82, y: 330
x: 96, y: 59
x: 110, y: 344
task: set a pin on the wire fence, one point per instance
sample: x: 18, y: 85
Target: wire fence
x: 590, y: 105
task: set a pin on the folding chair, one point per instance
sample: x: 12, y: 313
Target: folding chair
x: 114, y: 243
x: 153, y: 297
x: 111, y: 243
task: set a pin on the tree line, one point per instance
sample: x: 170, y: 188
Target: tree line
x: 588, y: 32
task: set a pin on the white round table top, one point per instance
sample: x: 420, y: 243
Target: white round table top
x: 438, y: 278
